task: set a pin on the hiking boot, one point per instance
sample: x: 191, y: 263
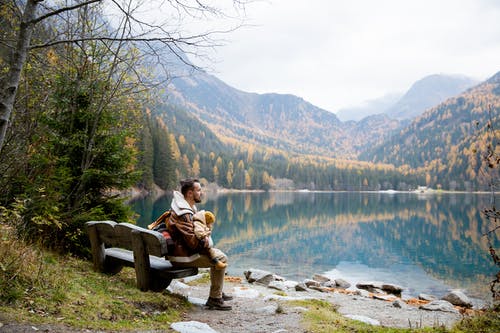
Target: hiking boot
x: 226, y: 297
x: 217, y: 304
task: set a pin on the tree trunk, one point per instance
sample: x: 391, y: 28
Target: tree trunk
x: 16, y: 63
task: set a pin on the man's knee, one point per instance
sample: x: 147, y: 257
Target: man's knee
x: 220, y: 255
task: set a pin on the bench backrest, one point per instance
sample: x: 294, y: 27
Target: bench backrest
x: 112, y: 234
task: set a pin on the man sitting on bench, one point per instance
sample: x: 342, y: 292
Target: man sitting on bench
x: 189, y: 251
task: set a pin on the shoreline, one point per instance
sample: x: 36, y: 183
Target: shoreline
x: 135, y: 193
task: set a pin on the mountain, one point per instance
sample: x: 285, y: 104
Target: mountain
x: 291, y: 124
x: 369, y: 108
x: 448, y: 140
x: 428, y: 92
x: 423, y: 94
x: 278, y: 121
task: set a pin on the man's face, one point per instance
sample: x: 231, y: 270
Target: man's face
x: 197, y: 193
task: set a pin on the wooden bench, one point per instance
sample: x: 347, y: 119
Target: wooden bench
x: 115, y: 245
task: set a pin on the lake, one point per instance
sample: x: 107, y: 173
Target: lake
x: 427, y: 243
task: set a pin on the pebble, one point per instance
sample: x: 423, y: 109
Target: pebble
x: 192, y: 327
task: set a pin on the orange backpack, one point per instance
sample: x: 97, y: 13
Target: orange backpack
x: 160, y: 225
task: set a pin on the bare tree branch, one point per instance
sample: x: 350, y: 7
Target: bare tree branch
x: 62, y: 10
x: 187, y: 41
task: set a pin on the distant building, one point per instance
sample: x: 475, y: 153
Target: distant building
x: 422, y: 189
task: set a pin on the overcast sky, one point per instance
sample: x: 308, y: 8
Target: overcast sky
x: 336, y: 54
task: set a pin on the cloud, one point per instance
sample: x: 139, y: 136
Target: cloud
x: 339, y: 53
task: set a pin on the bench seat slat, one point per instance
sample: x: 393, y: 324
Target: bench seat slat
x: 160, y: 266
x: 121, y: 256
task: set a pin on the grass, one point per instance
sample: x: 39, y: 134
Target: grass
x: 322, y: 317
x: 204, y: 279
x: 40, y: 287
x: 83, y: 299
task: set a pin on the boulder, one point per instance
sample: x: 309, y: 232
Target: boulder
x: 329, y: 284
x: 301, y: 287
x: 400, y: 304
x: 362, y: 293
x: 342, y: 284
x: 376, y: 287
x: 278, y: 285
x: 259, y: 276
x: 321, y: 288
x: 439, y: 305
x: 290, y: 284
x: 278, y: 277
x: 196, y: 301
x: 371, y: 286
x: 321, y: 278
x: 392, y: 288
x: 384, y: 297
x: 458, y: 298
x: 177, y: 287
x: 309, y: 283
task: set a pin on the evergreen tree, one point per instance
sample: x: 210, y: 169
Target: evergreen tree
x: 163, y: 162
x: 146, y: 155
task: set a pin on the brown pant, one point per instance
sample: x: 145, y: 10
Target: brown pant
x: 216, y: 275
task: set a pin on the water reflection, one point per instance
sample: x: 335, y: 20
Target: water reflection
x: 427, y: 243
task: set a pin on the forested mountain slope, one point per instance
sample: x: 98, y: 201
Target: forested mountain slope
x: 444, y: 140
x: 272, y: 120
x: 291, y: 124
x: 277, y: 121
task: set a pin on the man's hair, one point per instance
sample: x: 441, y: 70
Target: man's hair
x: 188, y: 184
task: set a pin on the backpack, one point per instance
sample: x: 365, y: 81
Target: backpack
x: 160, y: 225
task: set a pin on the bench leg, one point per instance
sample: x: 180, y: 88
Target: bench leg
x: 97, y: 248
x: 141, y: 259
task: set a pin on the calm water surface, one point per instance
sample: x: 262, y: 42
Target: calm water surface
x: 427, y: 243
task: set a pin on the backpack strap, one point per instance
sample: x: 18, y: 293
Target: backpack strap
x: 160, y: 225
x: 162, y: 219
